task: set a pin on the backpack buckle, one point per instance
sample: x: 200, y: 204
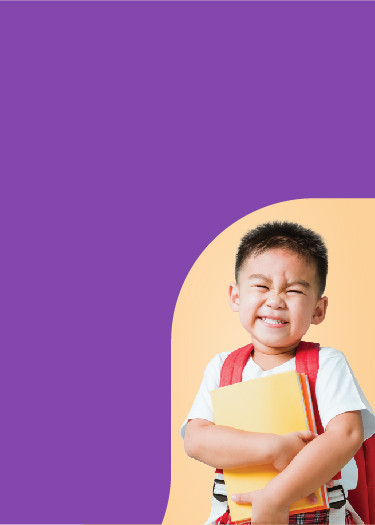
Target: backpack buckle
x: 219, y: 492
x: 339, y: 500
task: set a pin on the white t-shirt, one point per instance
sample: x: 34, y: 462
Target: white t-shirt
x: 337, y: 391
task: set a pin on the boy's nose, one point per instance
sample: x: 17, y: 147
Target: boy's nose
x: 275, y: 301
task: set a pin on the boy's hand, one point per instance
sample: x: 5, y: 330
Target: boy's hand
x: 287, y: 447
x: 264, y: 509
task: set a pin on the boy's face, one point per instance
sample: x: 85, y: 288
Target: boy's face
x: 277, y: 300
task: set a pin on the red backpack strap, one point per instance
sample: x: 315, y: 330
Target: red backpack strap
x: 363, y: 496
x: 231, y: 371
x: 307, y: 362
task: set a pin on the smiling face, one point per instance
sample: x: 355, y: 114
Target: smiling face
x: 277, y: 300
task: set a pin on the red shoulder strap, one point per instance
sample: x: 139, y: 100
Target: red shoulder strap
x: 231, y: 371
x: 363, y: 496
x: 307, y: 362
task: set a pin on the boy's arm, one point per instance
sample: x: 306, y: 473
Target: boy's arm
x: 225, y: 447
x: 321, y: 459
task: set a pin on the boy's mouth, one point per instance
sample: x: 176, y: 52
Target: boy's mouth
x: 273, y: 321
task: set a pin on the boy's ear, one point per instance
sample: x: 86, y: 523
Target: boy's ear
x: 320, y: 310
x: 234, y: 297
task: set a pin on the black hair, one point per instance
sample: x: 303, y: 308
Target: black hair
x: 291, y: 236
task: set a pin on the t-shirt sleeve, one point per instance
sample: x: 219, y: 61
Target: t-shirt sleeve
x: 202, y: 406
x: 338, y: 391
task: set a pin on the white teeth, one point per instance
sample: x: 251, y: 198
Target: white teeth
x: 272, y: 321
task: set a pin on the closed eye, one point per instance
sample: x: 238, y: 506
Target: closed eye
x: 260, y: 286
x: 295, y: 291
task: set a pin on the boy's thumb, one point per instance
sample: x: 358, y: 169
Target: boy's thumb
x: 307, y: 435
x: 242, y: 498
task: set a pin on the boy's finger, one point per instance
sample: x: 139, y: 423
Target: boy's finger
x: 312, y: 498
x: 242, y: 498
x: 307, y: 435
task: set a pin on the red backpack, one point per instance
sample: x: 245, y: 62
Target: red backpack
x: 362, y: 498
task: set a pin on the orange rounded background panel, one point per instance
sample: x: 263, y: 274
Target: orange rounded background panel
x: 203, y: 324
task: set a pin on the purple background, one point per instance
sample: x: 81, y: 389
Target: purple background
x: 132, y: 134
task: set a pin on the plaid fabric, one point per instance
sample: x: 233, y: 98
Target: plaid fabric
x: 320, y: 517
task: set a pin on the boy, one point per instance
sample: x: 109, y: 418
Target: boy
x: 281, y: 271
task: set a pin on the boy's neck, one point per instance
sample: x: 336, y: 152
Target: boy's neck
x: 267, y: 361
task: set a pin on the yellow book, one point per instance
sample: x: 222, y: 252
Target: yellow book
x: 273, y: 404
